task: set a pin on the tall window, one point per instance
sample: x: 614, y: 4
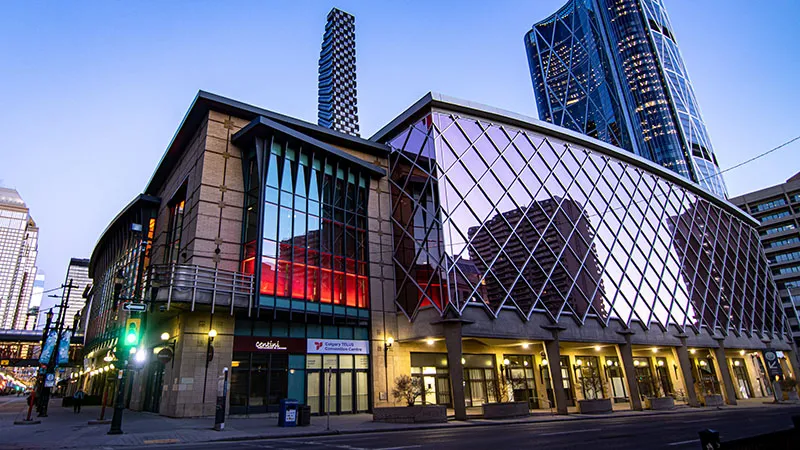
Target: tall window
x: 315, y: 229
x: 174, y: 232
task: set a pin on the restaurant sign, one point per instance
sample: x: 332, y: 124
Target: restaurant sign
x: 268, y: 344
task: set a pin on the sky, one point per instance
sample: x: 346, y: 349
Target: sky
x: 93, y: 92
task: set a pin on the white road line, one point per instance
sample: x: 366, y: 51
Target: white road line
x: 571, y: 432
x: 690, y: 441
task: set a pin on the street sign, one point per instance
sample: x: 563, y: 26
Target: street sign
x: 50, y: 380
x: 164, y: 355
x: 139, y: 307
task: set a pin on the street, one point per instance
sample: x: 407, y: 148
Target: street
x: 674, y: 432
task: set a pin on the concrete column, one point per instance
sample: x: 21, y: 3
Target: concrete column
x: 722, y: 367
x: 685, y: 364
x: 452, y: 337
x: 554, y: 365
x: 626, y: 355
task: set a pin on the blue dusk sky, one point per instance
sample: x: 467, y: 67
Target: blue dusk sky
x: 92, y: 92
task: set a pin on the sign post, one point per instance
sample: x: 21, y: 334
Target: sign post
x: 222, y: 393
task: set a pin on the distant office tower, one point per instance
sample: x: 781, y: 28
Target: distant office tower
x: 611, y: 69
x: 338, y: 107
x: 78, y: 272
x: 36, y: 302
x: 19, y: 238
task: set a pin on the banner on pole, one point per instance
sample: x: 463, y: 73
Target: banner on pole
x: 48, y: 347
x: 63, y: 347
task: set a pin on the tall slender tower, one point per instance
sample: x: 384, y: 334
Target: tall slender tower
x: 338, y: 107
x: 611, y: 69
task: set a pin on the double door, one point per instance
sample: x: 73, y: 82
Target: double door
x: 337, y: 383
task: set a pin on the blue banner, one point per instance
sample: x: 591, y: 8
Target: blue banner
x: 48, y: 347
x: 63, y: 347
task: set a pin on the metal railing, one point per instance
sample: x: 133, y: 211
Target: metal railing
x: 185, y: 283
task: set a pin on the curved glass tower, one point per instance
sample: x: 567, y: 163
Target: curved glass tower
x: 611, y: 69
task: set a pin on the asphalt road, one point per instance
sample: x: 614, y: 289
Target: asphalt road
x: 677, y: 431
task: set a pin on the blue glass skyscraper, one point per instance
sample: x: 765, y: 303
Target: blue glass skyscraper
x: 338, y: 107
x: 611, y: 69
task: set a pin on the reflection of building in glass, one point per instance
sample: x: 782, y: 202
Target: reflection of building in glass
x: 611, y: 69
x: 544, y: 251
x: 777, y: 208
x: 337, y: 74
x: 19, y: 237
x: 716, y: 255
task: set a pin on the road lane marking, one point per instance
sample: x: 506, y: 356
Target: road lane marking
x: 690, y: 441
x: 571, y: 432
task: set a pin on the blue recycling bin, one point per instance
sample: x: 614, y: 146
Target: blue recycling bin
x: 287, y: 416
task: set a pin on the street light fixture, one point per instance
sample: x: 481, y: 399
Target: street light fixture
x: 165, y: 336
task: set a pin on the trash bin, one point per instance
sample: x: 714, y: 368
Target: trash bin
x: 304, y: 416
x: 287, y: 417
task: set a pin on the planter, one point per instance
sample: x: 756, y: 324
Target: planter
x: 411, y: 414
x: 713, y: 400
x: 505, y: 410
x: 660, y: 403
x: 594, y: 406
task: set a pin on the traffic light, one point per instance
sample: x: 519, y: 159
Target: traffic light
x: 132, y: 332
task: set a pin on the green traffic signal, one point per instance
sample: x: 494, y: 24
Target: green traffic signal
x: 131, y: 339
x: 132, y: 330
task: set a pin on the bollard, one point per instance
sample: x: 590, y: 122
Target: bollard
x: 709, y: 439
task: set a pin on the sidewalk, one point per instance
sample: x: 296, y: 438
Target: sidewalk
x: 64, y: 429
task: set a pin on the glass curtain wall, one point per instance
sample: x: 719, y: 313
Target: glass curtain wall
x: 314, y: 236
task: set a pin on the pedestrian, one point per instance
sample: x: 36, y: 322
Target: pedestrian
x: 77, y: 399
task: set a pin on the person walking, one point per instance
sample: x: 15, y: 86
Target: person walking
x: 77, y: 400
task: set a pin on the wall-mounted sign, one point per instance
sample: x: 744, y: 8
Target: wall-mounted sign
x: 268, y: 344
x: 773, y: 363
x: 164, y: 355
x: 337, y: 346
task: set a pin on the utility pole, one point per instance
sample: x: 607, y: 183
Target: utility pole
x: 52, y: 362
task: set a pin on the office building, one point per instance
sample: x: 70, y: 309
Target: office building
x: 338, y: 106
x: 777, y: 209
x: 611, y: 69
x: 78, y: 274
x: 19, y: 237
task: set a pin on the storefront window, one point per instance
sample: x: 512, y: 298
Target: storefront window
x: 644, y: 377
x: 616, y: 379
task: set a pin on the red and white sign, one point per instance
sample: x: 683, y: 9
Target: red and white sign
x: 337, y: 347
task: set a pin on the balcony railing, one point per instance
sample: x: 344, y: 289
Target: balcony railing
x: 196, y: 285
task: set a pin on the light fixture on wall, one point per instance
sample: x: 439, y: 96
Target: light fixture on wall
x: 597, y: 348
x: 526, y: 345
x: 429, y: 341
x: 655, y: 349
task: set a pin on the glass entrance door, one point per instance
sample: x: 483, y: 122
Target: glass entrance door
x: 567, y: 380
x: 743, y: 387
x: 338, y: 383
x: 662, y: 373
x: 520, y: 374
x: 615, y: 378
x: 644, y: 377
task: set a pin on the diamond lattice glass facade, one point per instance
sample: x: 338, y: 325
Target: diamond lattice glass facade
x: 611, y: 69
x: 505, y: 214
